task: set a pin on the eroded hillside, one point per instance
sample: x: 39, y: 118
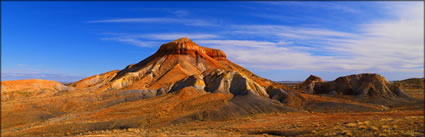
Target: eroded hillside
x: 183, y: 84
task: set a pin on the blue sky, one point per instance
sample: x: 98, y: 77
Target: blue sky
x: 67, y: 41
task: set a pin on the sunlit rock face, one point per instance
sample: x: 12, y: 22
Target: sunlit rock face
x: 232, y: 82
x: 360, y: 85
x: 186, y: 46
x: 178, y: 64
x: 308, y: 85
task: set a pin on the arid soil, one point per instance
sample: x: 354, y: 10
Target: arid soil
x: 407, y: 123
x: 397, y: 122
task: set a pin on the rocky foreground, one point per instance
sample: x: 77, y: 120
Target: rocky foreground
x: 388, y: 124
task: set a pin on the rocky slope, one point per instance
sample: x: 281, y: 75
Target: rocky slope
x: 308, y: 85
x: 411, y: 83
x: 360, y: 85
x: 178, y: 64
x: 30, y: 87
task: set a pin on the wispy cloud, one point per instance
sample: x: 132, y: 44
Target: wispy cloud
x: 340, y: 7
x: 47, y: 76
x: 180, y: 13
x: 133, y: 41
x: 192, y: 22
x: 265, y: 55
x: 27, y: 71
x: 394, y: 45
x: 391, y: 45
x: 173, y: 36
x: 242, y: 43
x: 290, y: 32
x: 149, y: 40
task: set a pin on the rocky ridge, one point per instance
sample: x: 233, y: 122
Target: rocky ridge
x: 359, y: 85
x: 308, y: 85
x: 30, y: 87
x: 178, y: 64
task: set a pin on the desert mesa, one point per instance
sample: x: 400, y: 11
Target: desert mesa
x: 184, y: 89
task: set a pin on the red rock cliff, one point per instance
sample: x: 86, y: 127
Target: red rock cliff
x: 186, y: 46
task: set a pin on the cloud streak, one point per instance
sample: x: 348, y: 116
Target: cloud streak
x: 173, y: 36
x: 242, y: 43
x: 47, y: 76
x: 133, y: 41
x: 391, y: 45
x: 394, y: 45
x: 191, y: 22
x: 282, y: 31
x: 150, y: 40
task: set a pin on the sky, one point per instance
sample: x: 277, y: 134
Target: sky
x: 281, y: 41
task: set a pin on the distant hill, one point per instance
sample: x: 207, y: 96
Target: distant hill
x: 289, y: 82
x: 411, y: 83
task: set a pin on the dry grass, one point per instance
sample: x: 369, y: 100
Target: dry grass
x: 408, y: 123
x: 80, y: 113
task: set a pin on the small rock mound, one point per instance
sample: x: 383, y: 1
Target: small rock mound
x: 308, y: 85
x: 360, y: 85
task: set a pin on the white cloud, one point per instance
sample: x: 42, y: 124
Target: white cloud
x: 180, y: 13
x: 192, y: 22
x: 340, y: 7
x: 133, y: 41
x: 149, y: 40
x: 282, y: 31
x: 262, y: 54
x: 243, y: 43
x: 174, y: 36
x: 394, y: 45
x: 391, y: 45
x: 388, y: 45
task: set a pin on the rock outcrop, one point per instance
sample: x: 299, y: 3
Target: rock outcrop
x: 278, y: 94
x: 308, y: 85
x: 95, y: 81
x: 186, y: 46
x: 195, y: 81
x: 221, y: 81
x: 360, y: 85
x: 178, y: 64
x: 172, y: 62
x: 232, y: 82
x: 182, y: 63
